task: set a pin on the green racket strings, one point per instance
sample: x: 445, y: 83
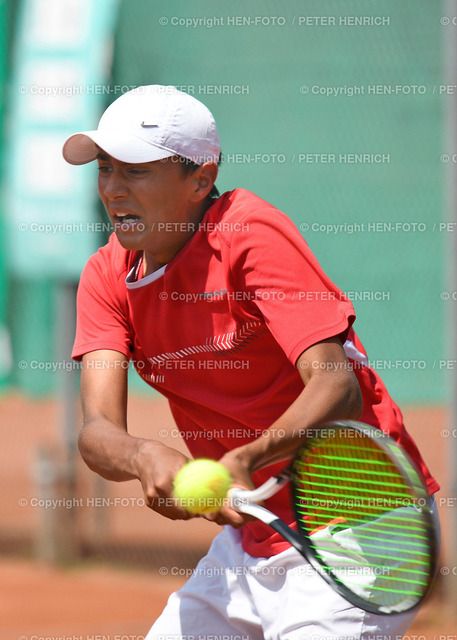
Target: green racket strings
x: 364, y: 519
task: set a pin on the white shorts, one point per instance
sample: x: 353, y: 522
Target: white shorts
x: 234, y: 596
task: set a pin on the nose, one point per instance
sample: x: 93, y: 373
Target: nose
x: 113, y: 187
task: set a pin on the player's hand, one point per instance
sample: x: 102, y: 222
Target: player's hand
x: 157, y: 466
x: 241, y: 478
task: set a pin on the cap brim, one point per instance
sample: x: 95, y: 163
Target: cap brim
x: 84, y: 147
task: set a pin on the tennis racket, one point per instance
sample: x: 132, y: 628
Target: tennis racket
x: 363, y: 516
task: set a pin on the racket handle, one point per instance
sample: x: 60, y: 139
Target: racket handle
x: 266, y: 490
x: 252, y: 509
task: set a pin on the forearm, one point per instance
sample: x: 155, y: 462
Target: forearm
x: 107, y: 447
x: 110, y: 451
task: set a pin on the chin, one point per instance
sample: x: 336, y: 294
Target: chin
x: 130, y: 242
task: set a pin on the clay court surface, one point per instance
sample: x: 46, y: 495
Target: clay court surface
x: 116, y: 600
x: 41, y: 603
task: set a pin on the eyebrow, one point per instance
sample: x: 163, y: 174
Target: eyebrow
x: 102, y: 156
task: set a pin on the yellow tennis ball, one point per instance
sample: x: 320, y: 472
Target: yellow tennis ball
x: 201, y: 485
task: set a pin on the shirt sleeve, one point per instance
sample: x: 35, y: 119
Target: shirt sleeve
x: 299, y: 303
x: 102, y: 309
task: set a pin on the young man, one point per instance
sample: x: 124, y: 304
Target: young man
x: 223, y: 309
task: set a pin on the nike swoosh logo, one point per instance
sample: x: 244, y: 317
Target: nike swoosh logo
x: 144, y: 124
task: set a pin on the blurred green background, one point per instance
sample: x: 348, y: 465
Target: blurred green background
x: 339, y: 124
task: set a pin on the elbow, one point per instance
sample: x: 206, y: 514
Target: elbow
x: 82, y: 446
x: 86, y: 447
x: 82, y: 439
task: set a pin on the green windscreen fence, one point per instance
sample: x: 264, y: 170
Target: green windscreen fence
x: 58, y: 84
x: 332, y: 111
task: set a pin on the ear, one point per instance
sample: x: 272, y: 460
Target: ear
x: 203, y: 180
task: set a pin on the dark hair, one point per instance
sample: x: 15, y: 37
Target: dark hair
x: 188, y: 167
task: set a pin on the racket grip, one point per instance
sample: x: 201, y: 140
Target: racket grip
x: 266, y: 490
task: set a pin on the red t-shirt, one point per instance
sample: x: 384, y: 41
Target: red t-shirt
x: 219, y: 329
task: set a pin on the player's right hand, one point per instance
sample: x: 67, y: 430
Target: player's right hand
x: 157, y: 466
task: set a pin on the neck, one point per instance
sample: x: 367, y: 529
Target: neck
x: 152, y: 262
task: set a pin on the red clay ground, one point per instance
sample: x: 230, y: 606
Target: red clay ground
x: 42, y: 603
x: 39, y: 602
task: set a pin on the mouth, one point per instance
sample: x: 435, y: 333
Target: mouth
x: 124, y: 221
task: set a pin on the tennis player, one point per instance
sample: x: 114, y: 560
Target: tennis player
x: 222, y: 307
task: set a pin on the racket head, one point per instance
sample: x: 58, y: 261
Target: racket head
x: 364, y: 514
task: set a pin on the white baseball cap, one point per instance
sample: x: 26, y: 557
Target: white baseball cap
x: 149, y: 123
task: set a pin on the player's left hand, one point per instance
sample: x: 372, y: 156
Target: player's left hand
x: 241, y: 477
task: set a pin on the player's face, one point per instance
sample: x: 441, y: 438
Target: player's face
x: 152, y: 206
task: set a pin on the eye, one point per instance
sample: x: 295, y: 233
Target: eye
x: 137, y: 171
x: 104, y: 169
